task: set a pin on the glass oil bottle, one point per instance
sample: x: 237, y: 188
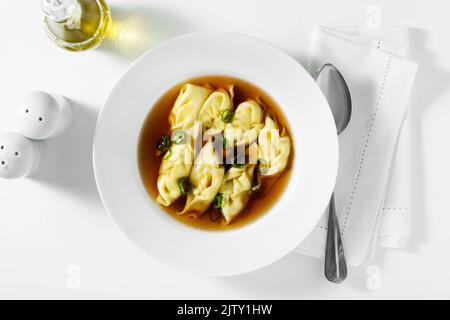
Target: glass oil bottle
x: 76, y: 25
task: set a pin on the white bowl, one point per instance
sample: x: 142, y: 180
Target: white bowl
x: 271, y: 236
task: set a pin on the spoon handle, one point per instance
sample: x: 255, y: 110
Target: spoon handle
x: 335, y: 265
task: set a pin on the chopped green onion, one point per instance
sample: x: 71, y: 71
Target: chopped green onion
x: 184, y: 185
x: 218, y: 201
x: 179, y: 137
x: 163, y: 143
x: 227, y: 115
x: 167, y: 154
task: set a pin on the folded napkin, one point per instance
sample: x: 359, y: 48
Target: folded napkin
x: 372, y: 186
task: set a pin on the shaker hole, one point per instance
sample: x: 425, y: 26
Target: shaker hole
x: 16, y: 154
x: 40, y: 119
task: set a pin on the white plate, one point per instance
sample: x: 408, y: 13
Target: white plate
x: 265, y: 240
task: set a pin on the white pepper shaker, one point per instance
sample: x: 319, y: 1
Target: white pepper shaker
x: 42, y: 115
x: 19, y: 156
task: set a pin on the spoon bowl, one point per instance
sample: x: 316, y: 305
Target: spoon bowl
x: 335, y: 89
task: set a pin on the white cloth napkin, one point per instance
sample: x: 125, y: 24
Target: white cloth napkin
x: 372, y: 188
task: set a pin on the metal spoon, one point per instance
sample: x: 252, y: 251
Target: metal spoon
x: 335, y: 89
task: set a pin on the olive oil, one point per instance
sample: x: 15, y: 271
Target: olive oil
x: 76, y: 25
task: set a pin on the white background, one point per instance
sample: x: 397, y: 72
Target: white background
x: 53, y: 227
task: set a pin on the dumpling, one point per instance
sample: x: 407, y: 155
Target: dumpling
x: 218, y: 104
x: 187, y: 106
x: 246, y: 123
x: 206, y: 177
x: 235, y: 191
x: 274, y: 149
x: 177, y: 164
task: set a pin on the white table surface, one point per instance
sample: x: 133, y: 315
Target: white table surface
x: 56, y: 239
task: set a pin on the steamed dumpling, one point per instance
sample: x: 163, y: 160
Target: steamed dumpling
x: 206, y: 177
x: 235, y: 190
x: 246, y: 123
x: 274, y: 149
x: 173, y: 168
x: 187, y: 106
x: 212, y: 109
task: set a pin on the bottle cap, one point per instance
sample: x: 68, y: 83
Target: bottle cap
x: 59, y: 10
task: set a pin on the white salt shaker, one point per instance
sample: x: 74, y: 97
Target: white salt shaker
x: 42, y: 115
x: 19, y: 156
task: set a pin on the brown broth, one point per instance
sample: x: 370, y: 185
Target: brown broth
x: 156, y: 124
